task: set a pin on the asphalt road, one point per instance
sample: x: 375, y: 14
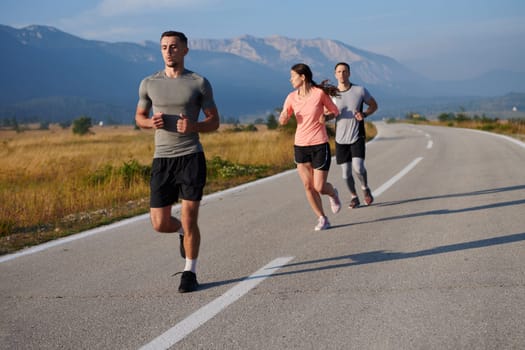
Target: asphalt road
x: 437, y: 262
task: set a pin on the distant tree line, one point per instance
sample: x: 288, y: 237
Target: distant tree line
x: 459, y: 117
x: 82, y: 125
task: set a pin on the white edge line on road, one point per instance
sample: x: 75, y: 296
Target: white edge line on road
x: 396, y: 178
x: 508, y: 138
x: 208, y: 311
x: 57, y: 242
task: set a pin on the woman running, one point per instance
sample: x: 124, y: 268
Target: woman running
x: 312, y: 106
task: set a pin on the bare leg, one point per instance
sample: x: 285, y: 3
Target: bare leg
x: 192, y: 235
x: 306, y: 173
x: 320, y: 184
x: 162, y: 220
x: 192, y: 240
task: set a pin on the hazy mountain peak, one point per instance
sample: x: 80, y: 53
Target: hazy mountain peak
x: 30, y: 34
x: 249, y: 74
x: 49, y: 37
x: 280, y: 53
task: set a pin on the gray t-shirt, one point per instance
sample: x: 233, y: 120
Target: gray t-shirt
x: 348, y: 129
x: 186, y: 94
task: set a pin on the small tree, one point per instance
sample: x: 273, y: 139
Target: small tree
x: 291, y: 126
x: 445, y: 117
x: 15, y: 125
x: 44, y: 126
x: 271, y: 122
x: 82, y: 125
x: 65, y: 124
x: 250, y: 127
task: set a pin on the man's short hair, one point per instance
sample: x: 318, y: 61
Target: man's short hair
x: 179, y: 35
x: 343, y: 64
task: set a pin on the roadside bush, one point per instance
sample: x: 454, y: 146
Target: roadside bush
x: 241, y: 128
x: 128, y: 173
x: 445, y: 117
x: 225, y: 169
x: 82, y: 125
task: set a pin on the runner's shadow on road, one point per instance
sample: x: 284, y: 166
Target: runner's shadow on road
x: 383, y: 256
x: 453, y: 195
x: 441, y: 212
x: 434, y: 212
x: 373, y: 257
x: 209, y: 285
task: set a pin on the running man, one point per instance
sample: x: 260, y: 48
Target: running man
x: 350, y: 132
x: 177, y: 95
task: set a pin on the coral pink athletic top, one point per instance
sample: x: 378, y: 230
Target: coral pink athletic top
x: 307, y: 111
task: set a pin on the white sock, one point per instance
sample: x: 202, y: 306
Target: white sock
x: 191, y: 265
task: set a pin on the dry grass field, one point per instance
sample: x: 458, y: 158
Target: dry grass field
x: 54, y: 183
x: 51, y: 181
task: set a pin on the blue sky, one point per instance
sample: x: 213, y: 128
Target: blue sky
x: 441, y: 39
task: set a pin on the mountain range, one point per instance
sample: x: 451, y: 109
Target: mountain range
x: 51, y: 75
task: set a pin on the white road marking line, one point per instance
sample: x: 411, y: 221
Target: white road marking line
x: 429, y: 143
x: 396, y: 178
x: 207, y: 312
x: 60, y: 241
x: 517, y: 142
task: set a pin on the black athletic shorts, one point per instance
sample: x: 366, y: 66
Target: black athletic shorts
x: 345, y: 152
x: 318, y: 155
x: 183, y: 176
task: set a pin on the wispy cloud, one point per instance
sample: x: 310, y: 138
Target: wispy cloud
x: 382, y: 16
x: 113, y: 33
x: 125, y: 7
x: 115, y: 20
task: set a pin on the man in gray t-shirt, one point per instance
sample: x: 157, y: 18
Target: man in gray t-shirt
x: 177, y: 96
x: 350, y: 132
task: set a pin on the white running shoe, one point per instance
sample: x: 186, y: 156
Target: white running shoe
x: 335, y: 203
x: 323, y: 224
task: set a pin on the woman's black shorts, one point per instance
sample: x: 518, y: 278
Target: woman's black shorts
x: 318, y: 155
